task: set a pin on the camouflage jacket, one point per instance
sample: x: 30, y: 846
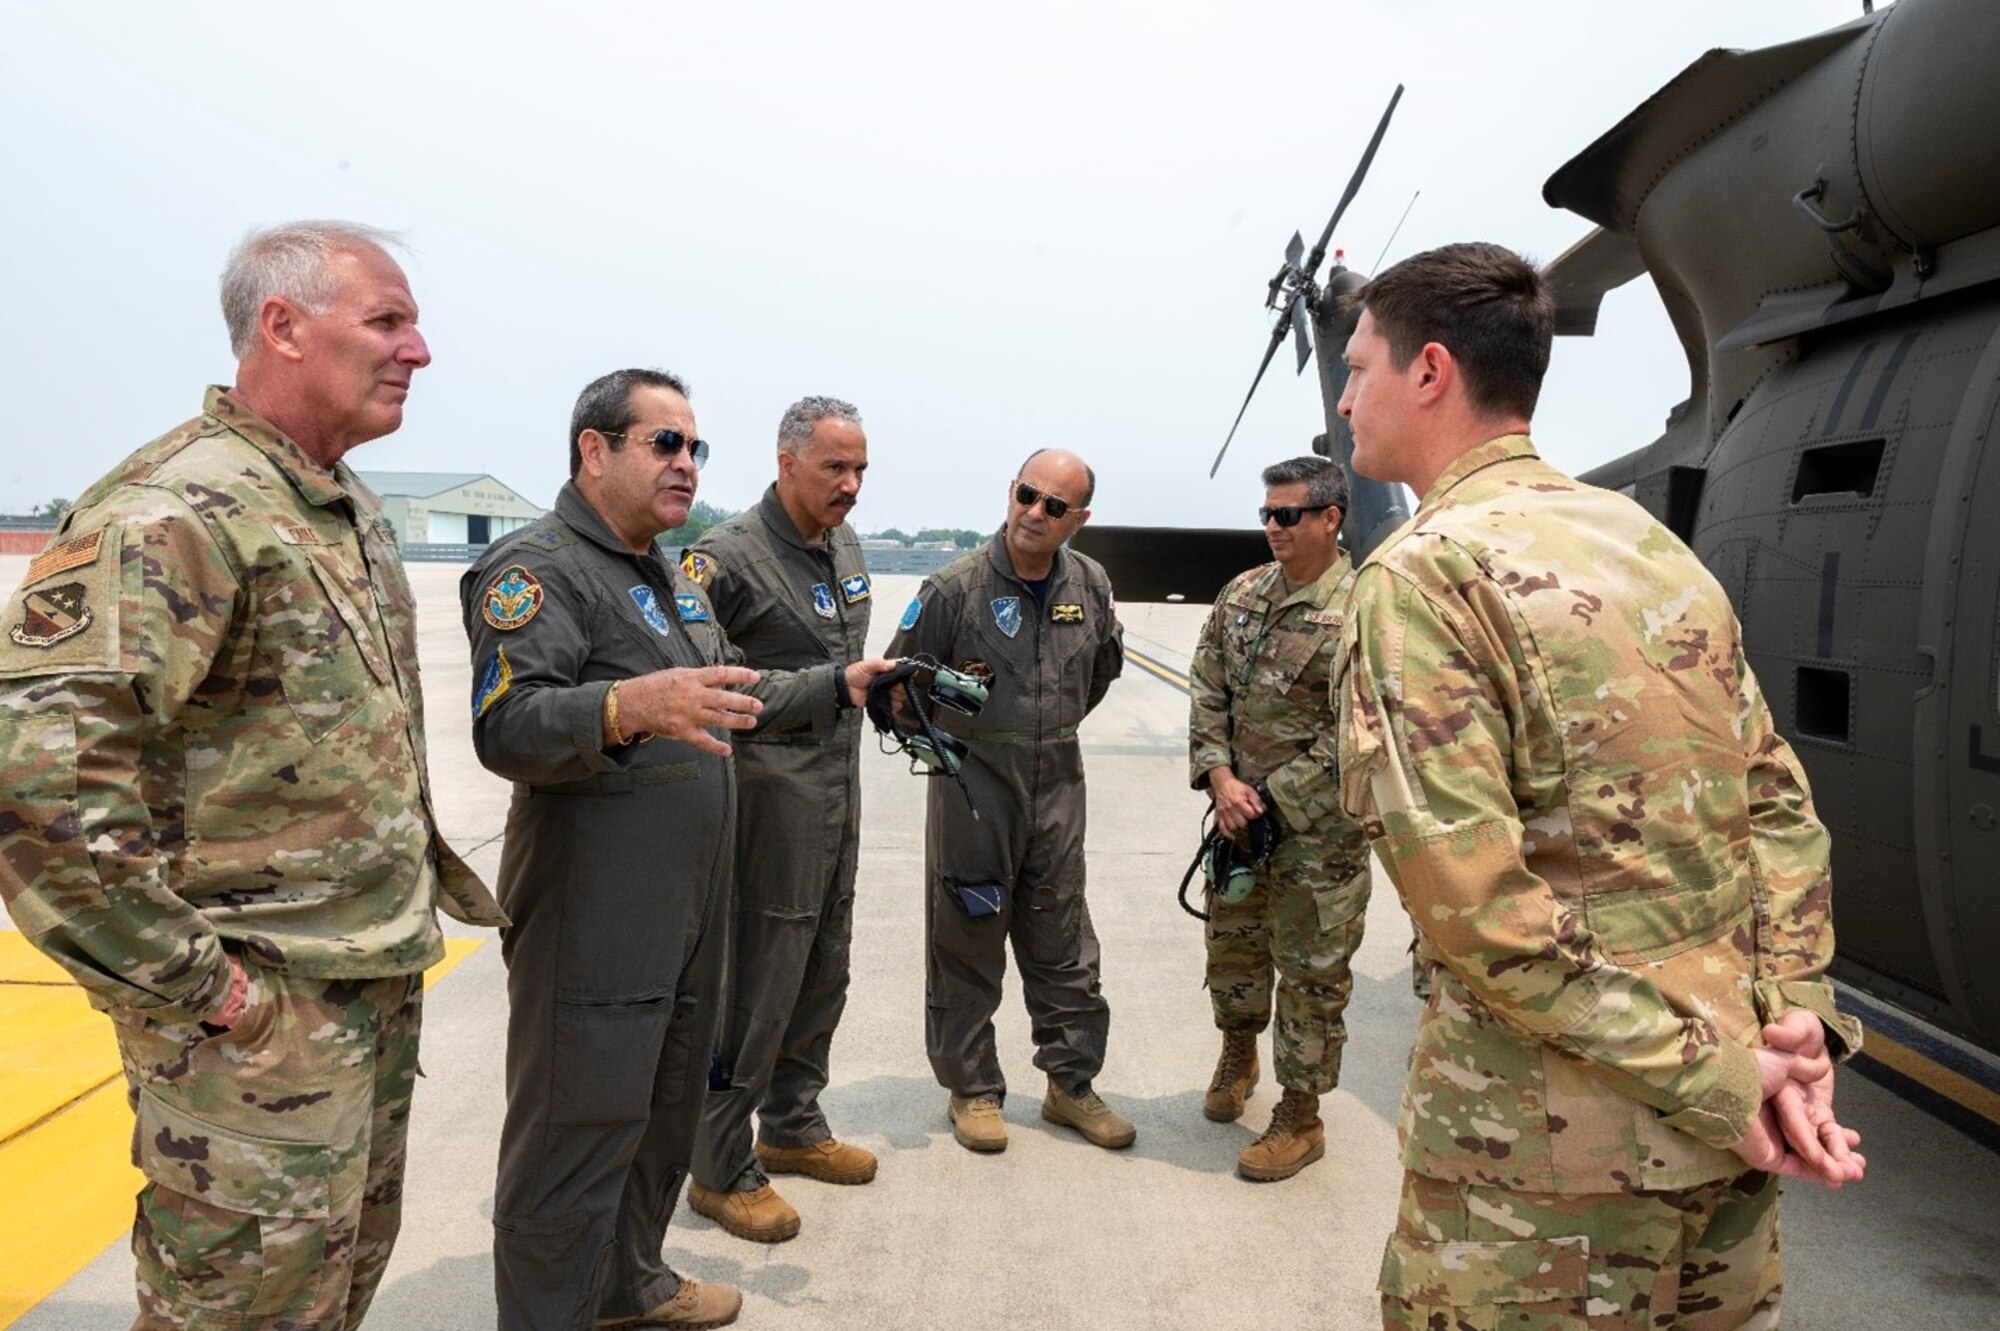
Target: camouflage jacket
x: 211, y: 728
x: 1551, y: 736
x: 1261, y: 701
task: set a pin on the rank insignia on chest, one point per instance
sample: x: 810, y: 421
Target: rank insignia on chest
x: 911, y: 613
x: 512, y: 599
x: 855, y: 588
x: 50, y: 614
x: 1065, y: 614
x: 823, y: 601
x: 699, y: 568
x: 648, y: 602
x: 495, y: 678
x: 691, y: 608
x: 1007, y: 615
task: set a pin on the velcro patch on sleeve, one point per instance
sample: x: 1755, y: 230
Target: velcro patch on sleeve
x: 699, y: 568
x: 61, y: 558
x: 512, y: 599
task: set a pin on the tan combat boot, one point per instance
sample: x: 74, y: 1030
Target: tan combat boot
x: 1294, y: 1140
x: 1235, y: 1077
x: 976, y: 1122
x: 761, y: 1216
x: 829, y: 1161
x: 1098, y: 1122
x: 693, y: 1306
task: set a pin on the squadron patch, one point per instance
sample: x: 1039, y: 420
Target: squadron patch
x: 513, y: 598
x: 855, y: 588
x: 649, y: 606
x: 911, y: 613
x: 823, y: 601
x: 62, y: 558
x: 699, y: 568
x: 691, y: 608
x: 1066, y: 614
x: 1007, y: 615
x: 495, y: 678
x: 978, y: 669
x: 50, y: 614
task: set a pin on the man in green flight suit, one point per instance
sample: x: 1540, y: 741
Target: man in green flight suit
x: 1558, y: 751
x: 215, y: 809
x: 1261, y: 741
x: 790, y: 588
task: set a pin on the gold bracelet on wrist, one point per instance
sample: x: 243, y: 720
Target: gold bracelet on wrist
x: 611, y: 730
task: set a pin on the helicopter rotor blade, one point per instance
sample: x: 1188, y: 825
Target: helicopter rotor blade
x: 1300, y: 336
x: 1353, y: 185
x: 1270, y: 353
x: 1295, y: 249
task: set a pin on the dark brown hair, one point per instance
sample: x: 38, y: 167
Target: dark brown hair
x: 1484, y: 304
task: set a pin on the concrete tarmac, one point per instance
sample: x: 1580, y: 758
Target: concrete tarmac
x: 1054, y: 1232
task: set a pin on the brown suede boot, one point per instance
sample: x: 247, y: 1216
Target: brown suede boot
x: 761, y: 1216
x: 693, y: 1307
x: 1235, y: 1077
x: 1294, y: 1140
x: 828, y: 1160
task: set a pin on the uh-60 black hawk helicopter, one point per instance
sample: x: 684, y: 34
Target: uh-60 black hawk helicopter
x: 1822, y: 220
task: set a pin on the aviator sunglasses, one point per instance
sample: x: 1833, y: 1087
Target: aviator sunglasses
x: 1025, y: 495
x: 668, y: 443
x: 1289, y: 514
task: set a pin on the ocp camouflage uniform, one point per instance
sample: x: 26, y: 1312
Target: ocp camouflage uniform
x: 213, y: 743
x: 1261, y: 704
x: 1552, y: 738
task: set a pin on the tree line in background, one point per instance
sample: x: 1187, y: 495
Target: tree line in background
x: 963, y: 538
x: 704, y: 515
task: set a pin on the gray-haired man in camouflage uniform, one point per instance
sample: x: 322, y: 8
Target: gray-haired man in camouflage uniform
x: 214, y: 808
x: 1261, y: 742
x: 1552, y: 738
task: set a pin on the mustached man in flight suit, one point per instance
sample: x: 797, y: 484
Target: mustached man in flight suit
x: 788, y: 585
x: 1261, y: 741
x: 598, y: 674
x: 1038, y: 622
x: 214, y: 806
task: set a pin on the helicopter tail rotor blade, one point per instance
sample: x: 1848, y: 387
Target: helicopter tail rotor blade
x: 1270, y: 353
x: 1353, y: 184
x: 1300, y: 337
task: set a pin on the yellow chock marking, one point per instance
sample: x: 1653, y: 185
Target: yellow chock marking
x: 1155, y: 668
x: 1951, y: 1085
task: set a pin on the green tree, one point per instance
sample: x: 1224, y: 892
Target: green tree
x: 700, y: 518
x: 55, y: 508
x: 893, y: 534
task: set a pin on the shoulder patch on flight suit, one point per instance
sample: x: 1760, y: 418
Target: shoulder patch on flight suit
x: 649, y: 605
x: 495, y: 678
x: 823, y: 601
x: 61, y: 558
x: 1066, y: 614
x: 297, y: 533
x: 1007, y: 615
x: 700, y: 568
x: 854, y: 588
x: 50, y: 614
x: 911, y: 613
x: 691, y: 608
x: 512, y: 599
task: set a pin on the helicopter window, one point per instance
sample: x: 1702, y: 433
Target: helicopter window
x: 1839, y: 469
x: 1822, y: 704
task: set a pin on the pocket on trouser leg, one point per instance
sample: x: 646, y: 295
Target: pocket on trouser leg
x: 607, y: 1057
x: 1525, y: 1285
x: 1053, y: 925
x: 228, y: 1222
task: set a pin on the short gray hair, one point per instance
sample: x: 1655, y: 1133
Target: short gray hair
x: 796, y: 428
x: 1325, y: 480
x: 289, y: 261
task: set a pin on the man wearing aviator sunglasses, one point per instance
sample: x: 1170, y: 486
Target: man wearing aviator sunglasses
x: 1262, y: 742
x: 1038, y: 621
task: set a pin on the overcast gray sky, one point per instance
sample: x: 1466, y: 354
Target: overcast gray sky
x: 993, y: 228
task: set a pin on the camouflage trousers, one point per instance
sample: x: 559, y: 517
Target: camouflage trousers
x: 1467, y: 1258
x: 1300, y: 926
x: 273, y: 1153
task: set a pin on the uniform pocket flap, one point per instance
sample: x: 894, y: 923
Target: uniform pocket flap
x: 1653, y: 923
x: 1461, y: 1274
x: 229, y: 1169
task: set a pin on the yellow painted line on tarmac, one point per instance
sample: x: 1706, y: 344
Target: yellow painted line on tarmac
x: 1952, y: 1086
x: 1157, y: 669
x: 66, y: 1179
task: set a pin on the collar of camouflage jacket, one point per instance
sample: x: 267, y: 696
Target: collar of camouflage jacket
x: 316, y: 483
x: 1319, y: 593
x: 1507, y: 448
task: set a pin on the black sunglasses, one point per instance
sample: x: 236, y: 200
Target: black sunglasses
x: 1025, y: 495
x: 1288, y: 515
x: 668, y: 443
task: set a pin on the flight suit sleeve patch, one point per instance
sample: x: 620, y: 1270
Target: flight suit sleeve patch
x: 691, y: 608
x: 512, y: 599
x: 1069, y: 613
x: 911, y: 613
x: 700, y: 568
x: 64, y: 557
x: 854, y: 588
x: 495, y: 678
